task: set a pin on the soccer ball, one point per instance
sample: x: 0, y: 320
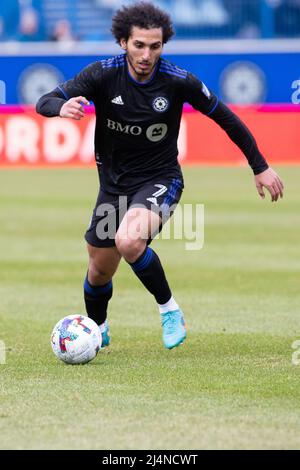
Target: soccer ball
x: 76, y: 339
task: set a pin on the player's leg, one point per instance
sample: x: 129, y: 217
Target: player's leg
x: 131, y: 240
x: 103, y: 263
x: 98, y: 288
x: 104, y: 259
x: 137, y: 227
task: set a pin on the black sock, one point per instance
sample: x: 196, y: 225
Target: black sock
x: 96, y: 300
x: 149, y: 270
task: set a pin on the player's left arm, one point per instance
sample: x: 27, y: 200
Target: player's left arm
x: 269, y: 179
x: 265, y: 177
x: 202, y: 99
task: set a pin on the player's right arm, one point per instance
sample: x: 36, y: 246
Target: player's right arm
x: 68, y: 99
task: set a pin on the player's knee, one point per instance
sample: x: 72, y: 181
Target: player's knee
x: 130, y: 249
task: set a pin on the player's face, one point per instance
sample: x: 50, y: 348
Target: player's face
x: 144, y: 47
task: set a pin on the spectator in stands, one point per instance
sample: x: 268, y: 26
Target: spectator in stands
x: 29, y: 25
x: 63, y: 32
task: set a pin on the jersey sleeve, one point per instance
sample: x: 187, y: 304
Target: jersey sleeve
x: 203, y: 100
x: 239, y: 133
x: 86, y: 83
x: 198, y: 95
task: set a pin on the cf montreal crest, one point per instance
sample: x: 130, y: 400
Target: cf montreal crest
x: 160, y: 104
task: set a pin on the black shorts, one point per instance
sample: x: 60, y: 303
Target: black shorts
x: 160, y: 195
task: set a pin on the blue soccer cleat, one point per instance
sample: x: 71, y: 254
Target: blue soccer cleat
x: 174, y: 332
x: 105, y: 332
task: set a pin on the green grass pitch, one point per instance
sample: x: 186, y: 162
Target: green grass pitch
x: 231, y: 385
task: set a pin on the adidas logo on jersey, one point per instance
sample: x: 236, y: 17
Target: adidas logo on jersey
x: 117, y: 100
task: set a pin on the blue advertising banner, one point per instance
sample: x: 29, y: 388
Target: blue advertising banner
x: 235, y: 78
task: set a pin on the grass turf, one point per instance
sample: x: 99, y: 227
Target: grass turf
x: 231, y: 385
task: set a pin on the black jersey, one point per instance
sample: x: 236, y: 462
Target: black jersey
x: 137, y: 123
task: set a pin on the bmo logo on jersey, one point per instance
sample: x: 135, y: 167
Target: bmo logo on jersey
x: 124, y: 128
x: 154, y: 133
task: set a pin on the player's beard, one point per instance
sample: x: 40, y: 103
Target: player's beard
x: 143, y: 73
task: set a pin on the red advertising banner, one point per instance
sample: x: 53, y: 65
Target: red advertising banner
x: 28, y: 139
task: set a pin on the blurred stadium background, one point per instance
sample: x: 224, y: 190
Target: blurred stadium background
x: 85, y: 20
x: 246, y: 51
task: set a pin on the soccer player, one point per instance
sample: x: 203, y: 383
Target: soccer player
x: 138, y: 98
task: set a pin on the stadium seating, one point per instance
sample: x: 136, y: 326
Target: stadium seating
x: 90, y: 19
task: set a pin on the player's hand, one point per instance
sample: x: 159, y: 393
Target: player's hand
x: 73, y: 108
x: 270, y: 180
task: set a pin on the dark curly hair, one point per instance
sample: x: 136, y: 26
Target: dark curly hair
x: 143, y: 15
